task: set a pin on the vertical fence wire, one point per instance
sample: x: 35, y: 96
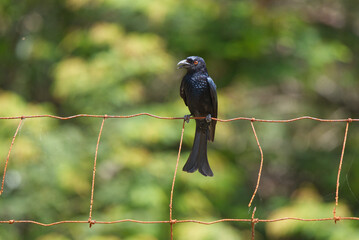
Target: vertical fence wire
x: 339, y: 171
x: 260, y: 166
x: 173, y: 181
x: 8, y: 155
x: 90, y: 221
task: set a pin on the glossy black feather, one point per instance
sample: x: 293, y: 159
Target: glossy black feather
x: 200, y: 95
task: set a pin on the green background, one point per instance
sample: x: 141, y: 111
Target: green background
x: 270, y: 59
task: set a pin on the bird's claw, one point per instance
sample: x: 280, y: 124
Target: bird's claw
x: 187, y: 118
x: 209, y: 118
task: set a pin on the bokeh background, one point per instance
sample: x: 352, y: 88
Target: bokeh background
x: 270, y: 59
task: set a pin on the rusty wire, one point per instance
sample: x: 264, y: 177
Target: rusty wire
x: 172, y: 221
x: 260, y: 166
x: 94, y: 172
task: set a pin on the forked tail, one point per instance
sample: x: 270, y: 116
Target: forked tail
x: 198, y: 157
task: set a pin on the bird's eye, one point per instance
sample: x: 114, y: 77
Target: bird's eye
x: 195, y: 62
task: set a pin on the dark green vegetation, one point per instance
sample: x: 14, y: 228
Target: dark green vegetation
x: 270, y: 59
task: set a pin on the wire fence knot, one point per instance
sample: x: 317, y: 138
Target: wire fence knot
x: 253, y: 119
x: 11, y: 221
x: 350, y: 120
x: 91, y: 222
x: 336, y: 219
x: 173, y: 221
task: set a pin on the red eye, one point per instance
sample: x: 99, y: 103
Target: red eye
x: 195, y: 62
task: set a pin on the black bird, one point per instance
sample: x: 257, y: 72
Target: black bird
x: 199, y: 94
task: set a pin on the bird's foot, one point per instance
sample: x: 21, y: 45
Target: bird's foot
x: 209, y: 118
x: 187, y: 118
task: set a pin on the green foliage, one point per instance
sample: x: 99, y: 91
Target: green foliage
x: 269, y: 59
x: 307, y: 204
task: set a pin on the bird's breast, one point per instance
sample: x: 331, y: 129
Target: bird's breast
x: 198, y: 97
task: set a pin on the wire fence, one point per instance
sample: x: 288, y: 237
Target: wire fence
x: 171, y: 221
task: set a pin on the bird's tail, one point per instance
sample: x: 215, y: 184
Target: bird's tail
x: 198, y: 157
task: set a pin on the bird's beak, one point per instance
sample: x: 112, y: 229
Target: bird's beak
x: 183, y: 64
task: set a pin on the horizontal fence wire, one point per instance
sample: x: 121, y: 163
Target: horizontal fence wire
x: 172, y: 221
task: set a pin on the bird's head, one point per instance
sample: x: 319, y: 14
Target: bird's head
x: 192, y: 63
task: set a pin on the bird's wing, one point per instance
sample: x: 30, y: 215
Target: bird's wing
x: 182, y: 92
x: 213, y: 91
